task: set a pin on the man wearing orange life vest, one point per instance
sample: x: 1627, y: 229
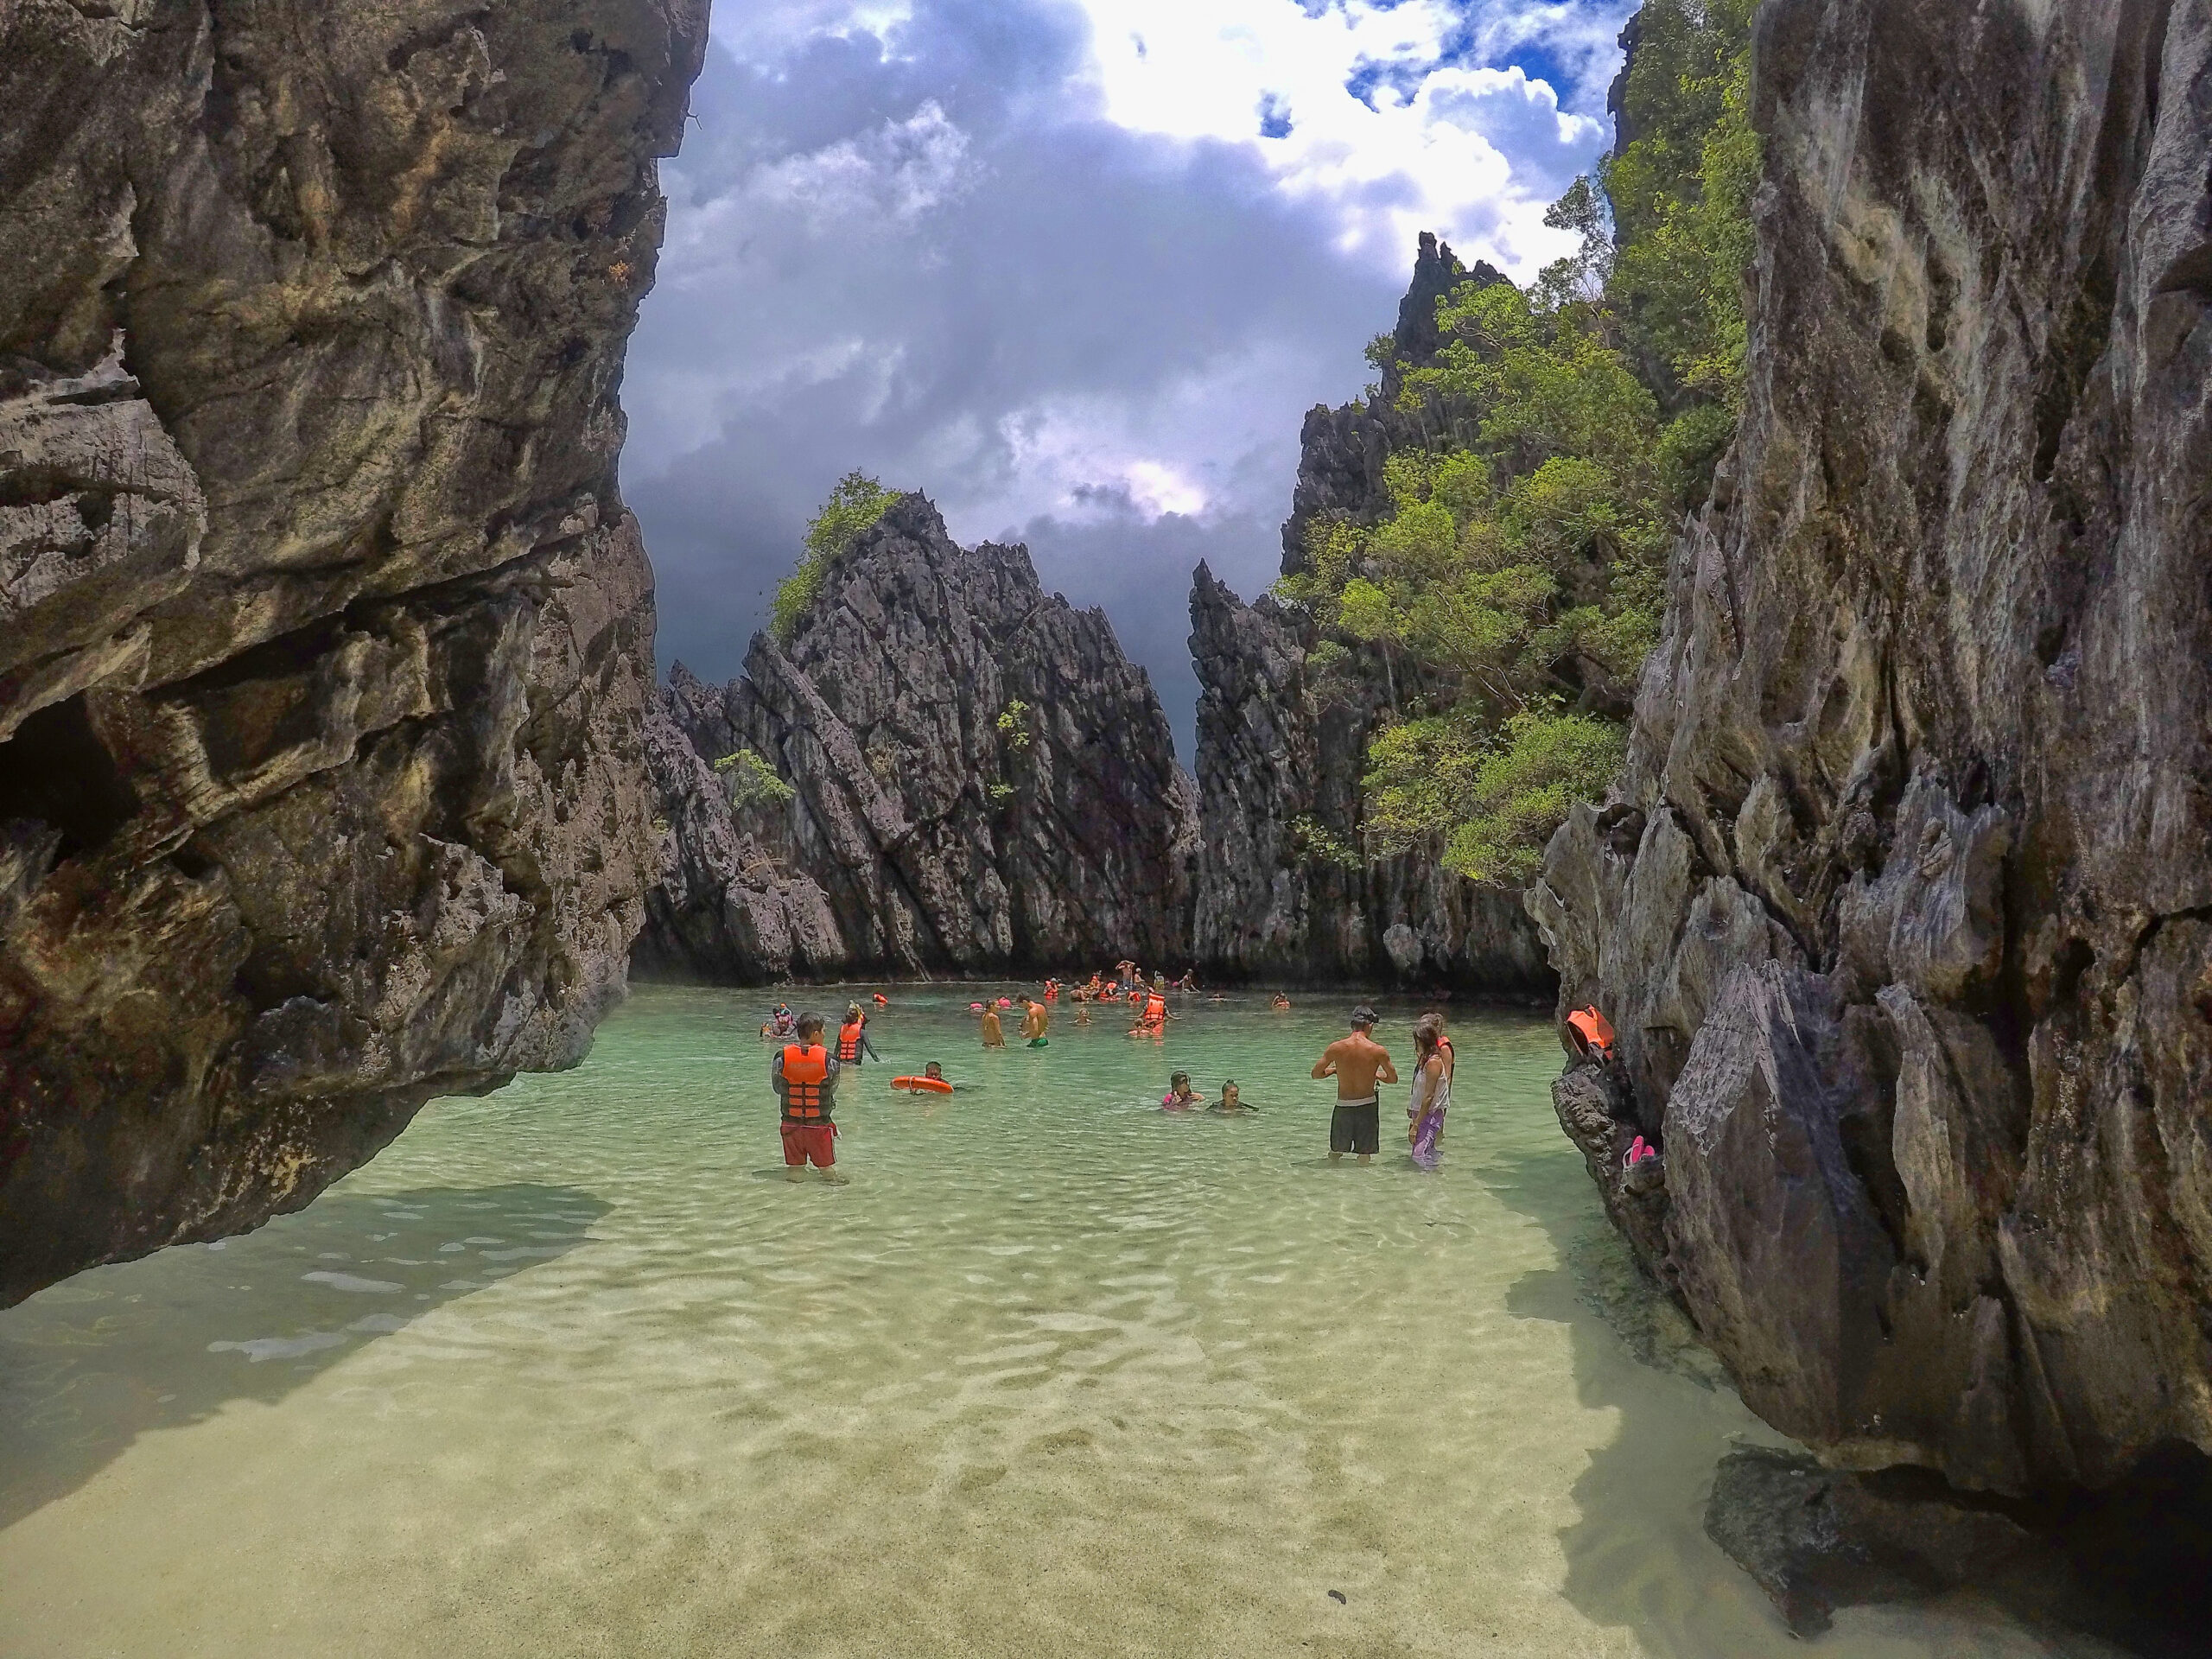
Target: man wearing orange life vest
x: 804, y: 1076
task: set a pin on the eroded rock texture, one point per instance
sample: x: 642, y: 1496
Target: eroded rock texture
x: 1281, y: 746
x: 1904, y: 910
x: 1282, y: 743
x: 936, y: 826
x: 324, y: 636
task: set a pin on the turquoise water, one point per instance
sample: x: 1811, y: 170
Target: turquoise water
x: 572, y: 1369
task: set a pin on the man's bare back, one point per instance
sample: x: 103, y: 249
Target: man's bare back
x: 1357, y: 1062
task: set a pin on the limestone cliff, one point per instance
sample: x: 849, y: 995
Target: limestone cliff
x: 1904, y: 909
x: 1282, y: 742
x: 980, y: 782
x: 326, y: 636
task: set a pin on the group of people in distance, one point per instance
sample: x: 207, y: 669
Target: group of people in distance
x: 805, y: 1070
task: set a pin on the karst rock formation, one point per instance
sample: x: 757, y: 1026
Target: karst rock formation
x: 1904, y: 909
x: 1282, y: 893
x: 325, y: 639
x: 979, y: 782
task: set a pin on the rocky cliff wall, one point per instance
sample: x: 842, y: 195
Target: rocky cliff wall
x: 1282, y: 744
x: 324, y: 636
x: 936, y: 826
x: 1904, y: 910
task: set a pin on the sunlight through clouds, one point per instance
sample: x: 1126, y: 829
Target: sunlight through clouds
x: 1370, y: 107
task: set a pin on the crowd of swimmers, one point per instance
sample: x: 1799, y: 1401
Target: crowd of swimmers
x: 803, y: 1071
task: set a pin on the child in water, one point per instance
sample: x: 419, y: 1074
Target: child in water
x: 1231, y: 1102
x: 1180, y: 1097
x: 992, y: 1037
x: 1280, y: 1003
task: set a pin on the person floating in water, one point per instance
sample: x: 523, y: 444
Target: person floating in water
x: 779, y: 1025
x: 1432, y: 1090
x: 1359, y: 1063
x: 1231, y: 1103
x: 1035, y: 1023
x: 1180, y: 1097
x: 1280, y: 1003
x: 992, y: 1037
x: 804, y: 1074
x: 852, y: 1037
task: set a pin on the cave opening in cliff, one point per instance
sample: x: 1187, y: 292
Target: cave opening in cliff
x: 55, y: 770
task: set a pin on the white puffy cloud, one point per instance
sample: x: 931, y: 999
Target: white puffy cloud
x: 1369, y: 107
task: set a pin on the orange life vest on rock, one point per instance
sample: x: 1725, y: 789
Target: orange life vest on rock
x: 1592, y: 1034
x: 848, y: 1043
x: 804, y: 1069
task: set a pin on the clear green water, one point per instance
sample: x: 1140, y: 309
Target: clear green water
x: 571, y: 1369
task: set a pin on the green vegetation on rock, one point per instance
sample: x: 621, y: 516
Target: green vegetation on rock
x: 753, y: 781
x: 856, y: 506
x: 1542, y: 461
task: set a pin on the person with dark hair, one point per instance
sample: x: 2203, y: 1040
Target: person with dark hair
x: 804, y: 1074
x: 1231, y: 1104
x: 1180, y: 1097
x: 1432, y: 1090
x: 852, y: 1037
x: 1358, y: 1064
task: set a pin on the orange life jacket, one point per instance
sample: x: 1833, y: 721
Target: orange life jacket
x: 1155, y: 1008
x: 1592, y: 1034
x: 848, y: 1042
x: 803, y: 1071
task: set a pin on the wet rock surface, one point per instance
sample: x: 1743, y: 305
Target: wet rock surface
x: 980, y: 782
x: 1904, y: 909
x: 324, y: 636
x: 2121, y: 1568
x: 1282, y: 736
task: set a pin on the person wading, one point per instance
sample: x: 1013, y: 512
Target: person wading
x: 804, y: 1076
x: 1359, y: 1063
x: 852, y: 1038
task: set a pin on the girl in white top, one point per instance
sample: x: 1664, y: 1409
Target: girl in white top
x: 1432, y: 1089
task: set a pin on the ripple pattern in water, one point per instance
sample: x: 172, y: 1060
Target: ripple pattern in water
x: 572, y: 1369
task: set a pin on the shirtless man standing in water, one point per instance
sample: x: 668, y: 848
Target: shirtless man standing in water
x: 1359, y: 1063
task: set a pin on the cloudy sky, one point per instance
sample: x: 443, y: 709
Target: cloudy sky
x: 1075, y: 268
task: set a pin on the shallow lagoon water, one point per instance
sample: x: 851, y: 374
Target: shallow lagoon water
x: 571, y: 1369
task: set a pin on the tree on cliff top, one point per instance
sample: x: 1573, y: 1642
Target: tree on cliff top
x: 856, y: 506
x: 1544, y: 455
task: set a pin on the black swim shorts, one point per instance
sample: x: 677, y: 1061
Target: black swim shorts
x: 1352, y: 1127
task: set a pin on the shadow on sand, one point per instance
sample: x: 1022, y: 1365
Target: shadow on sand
x: 2136, y: 1557
x: 91, y: 1364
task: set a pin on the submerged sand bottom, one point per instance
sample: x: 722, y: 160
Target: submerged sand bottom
x: 571, y: 1369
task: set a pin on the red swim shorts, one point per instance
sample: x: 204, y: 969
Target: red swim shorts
x: 810, y: 1142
